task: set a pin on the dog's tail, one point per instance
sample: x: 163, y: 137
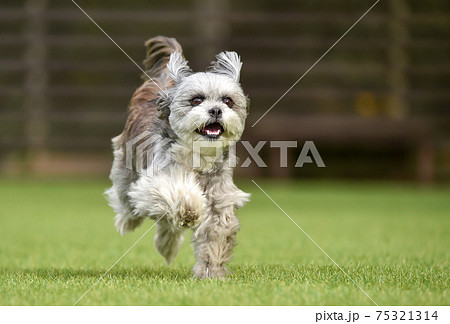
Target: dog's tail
x: 159, y: 49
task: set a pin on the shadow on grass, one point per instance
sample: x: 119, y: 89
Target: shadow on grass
x: 366, y: 275
x: 270, y: 272
x: 249, y: 273
x: 160, y: 272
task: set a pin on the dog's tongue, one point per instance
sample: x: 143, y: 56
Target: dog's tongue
x: 213, y: 129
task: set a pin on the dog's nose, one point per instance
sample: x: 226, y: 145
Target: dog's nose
x: 215, y: 112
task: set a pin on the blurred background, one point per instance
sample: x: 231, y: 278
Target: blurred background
x: 376, y: 107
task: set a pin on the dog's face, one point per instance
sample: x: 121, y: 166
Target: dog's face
x: 209, y: 106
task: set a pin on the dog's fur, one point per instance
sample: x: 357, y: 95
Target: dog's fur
x: 182, y: 194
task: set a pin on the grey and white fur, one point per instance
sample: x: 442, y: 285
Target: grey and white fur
x: 179, y: 108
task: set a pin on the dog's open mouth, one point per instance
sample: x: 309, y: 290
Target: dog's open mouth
x: 213, y: 130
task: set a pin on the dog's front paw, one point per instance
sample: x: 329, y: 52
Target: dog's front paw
x: 189, y: 209
x: 205, y: 271
x: 189, y: 219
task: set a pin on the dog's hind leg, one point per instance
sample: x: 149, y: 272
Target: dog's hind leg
x: 125, y: 223
x: 168, y: 240
x: 214, y: 240
x: 125, y: 220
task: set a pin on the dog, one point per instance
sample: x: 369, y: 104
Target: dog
x: 173, y: 162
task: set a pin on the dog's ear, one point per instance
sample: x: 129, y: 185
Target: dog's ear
x: 228, y: 63
x: 178, y: 67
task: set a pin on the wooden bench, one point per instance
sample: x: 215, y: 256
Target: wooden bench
x: 352, y: 131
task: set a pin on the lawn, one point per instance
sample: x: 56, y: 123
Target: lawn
x: 57, y: 239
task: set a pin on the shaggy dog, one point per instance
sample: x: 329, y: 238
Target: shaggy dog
x: 173, y: 162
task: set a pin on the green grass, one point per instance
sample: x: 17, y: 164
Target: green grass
x: 57, y: 239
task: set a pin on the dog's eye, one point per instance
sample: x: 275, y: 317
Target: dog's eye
x: 227, y: 101
x: 196, y: 101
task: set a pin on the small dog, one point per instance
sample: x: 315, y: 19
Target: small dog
x: 168, y: 117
